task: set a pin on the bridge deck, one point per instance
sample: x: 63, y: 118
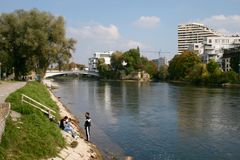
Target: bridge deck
x: 56, y: 73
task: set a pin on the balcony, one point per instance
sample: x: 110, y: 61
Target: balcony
x: 208, y: 47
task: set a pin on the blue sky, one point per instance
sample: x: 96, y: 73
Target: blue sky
x: 102, y: 25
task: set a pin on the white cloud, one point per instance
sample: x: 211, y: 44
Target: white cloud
x: 227, y: 25
x: 97, y: 37
x: 96, y: 32
x: 147, y: 21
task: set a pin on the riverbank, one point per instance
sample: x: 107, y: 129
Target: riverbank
x: 30, y: 135
x: 224, y: 85
x: 83, y: 150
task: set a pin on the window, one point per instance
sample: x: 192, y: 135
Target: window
x: 210, y: 41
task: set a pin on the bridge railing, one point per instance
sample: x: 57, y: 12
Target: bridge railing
x: 55, y: 73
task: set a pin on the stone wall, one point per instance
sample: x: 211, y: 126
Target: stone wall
x: 140, y: 76
x: 4, y: 112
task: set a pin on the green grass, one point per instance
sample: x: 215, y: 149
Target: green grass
x: 33, y: 136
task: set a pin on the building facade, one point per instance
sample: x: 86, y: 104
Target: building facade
x: 160, y: 61
x: 191, y: 33
x: 92, y: 63
x: 231, y: 55
x: 213, y: 47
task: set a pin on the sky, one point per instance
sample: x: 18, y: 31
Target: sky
x: 110, y: 25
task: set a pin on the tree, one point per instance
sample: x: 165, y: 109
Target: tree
x: 117, y: 61
x: 103, y: 68
x: 133, y: 60
x: 163, y: 72
x: 151, y: 68
x: 199, y: 73
x: 33, y: 40
x: 212, y: 66
x: 181, y: 65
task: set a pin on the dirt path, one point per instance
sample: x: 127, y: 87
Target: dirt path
x: 8, y: 87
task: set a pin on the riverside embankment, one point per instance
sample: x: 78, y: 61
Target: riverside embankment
x: 83, y: 150
x: 32, y: 136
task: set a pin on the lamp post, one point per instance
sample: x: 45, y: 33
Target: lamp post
x: 13, y: 73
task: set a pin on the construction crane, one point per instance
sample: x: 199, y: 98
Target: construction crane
x: 159, y: 52
x: 155, y: 52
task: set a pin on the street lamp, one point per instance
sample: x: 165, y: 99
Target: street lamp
x: 13, y: 73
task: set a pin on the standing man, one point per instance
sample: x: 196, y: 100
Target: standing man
x: 87, y: 125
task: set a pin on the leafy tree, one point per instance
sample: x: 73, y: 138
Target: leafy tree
x: 133, y: 63
x: 32, y: 40
x: 70, y: 66
x: 133, y: 60
x: 151, y: 68
x: 103, y: 68
x: 231, y: 77
x: 163, y: 72
x: 117, y: 61
x: 181, y: 65
x: 212, y: 66
x: 199, y: 74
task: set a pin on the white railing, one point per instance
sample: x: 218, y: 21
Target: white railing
x: 38, y: 105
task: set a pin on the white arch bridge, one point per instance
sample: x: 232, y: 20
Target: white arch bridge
x: 53, y: 73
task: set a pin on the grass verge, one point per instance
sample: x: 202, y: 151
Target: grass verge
x: 33, y: 136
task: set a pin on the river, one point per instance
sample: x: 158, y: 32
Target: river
x: 152, y: 121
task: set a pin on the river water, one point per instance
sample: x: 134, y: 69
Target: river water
x: 158, y: 120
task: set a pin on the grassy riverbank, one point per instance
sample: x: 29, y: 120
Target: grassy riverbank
x: 32, y: 136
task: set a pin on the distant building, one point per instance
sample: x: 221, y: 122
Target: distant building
x: 213, y: 47
x: 231, y: 55
x: 160, y: 61
x: 97, y: 55
x: 192, y: 33
x: 197, y: 47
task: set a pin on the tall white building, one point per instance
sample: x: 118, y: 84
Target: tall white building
x: 97, y: 55
x: 192, y: 33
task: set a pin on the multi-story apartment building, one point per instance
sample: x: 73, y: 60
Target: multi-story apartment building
x: 192, y: 33
x: 213, y: 47
x: 92, y: 63
x: 231, y: 55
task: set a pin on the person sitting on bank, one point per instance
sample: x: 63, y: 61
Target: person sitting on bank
x: 68, y: 128
x: 62, y: 122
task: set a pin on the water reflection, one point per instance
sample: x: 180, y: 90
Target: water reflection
x: 208, y: 123
x: 159, y: 120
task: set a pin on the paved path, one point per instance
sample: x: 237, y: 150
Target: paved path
x: 8, y: 87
